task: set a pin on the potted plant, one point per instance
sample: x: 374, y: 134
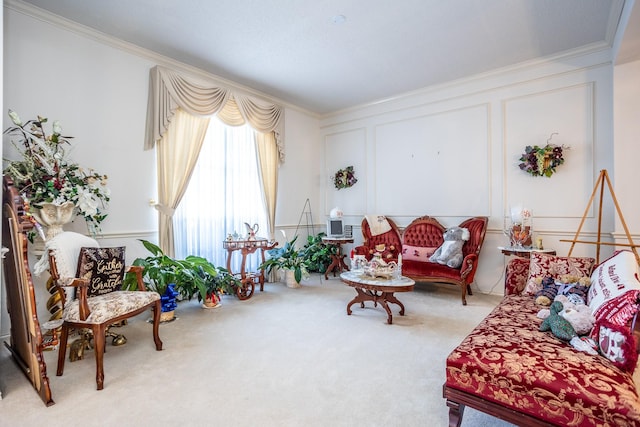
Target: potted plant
x: 317, y: 254
x: 170, y: 277
x: 290, y: 260
x: 222, y: 283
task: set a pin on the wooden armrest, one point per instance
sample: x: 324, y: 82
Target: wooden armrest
x: 137, y: 270
x: 468, y: 264
x: 82, y: 295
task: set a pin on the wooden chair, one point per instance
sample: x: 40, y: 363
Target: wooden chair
x: 98, y: 302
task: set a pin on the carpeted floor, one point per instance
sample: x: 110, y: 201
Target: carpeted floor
x: 286, y: 357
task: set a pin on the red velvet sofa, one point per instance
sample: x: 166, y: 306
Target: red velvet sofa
x: 509, y: 369
x: 418, y: 241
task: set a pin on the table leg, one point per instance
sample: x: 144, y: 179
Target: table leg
x: 389, y: 297
x: 335, y: 263
x: 383, y: 299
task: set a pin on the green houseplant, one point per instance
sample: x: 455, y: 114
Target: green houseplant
x: 287, y: 258
x: 192, y: 276
x: 317, y: 254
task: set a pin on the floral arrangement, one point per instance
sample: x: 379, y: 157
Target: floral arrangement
x: 542, y: 161
x: 45, y: 174
x: 344, y: 178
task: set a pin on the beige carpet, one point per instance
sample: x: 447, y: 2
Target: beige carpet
x: 286, y: 357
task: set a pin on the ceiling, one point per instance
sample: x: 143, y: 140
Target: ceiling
x: 297, y: 52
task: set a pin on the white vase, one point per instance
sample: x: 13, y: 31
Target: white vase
x: 54, y: 216
x: 290, y: 279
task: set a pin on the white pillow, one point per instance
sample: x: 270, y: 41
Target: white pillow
x: 614, y: 291
x: 612, y: 278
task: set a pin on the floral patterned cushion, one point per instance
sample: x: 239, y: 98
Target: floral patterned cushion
x: 110, y: 306
x: 543, y: 265
x: 417, y: 253
x: 516, y: 275
x: 506, y: 360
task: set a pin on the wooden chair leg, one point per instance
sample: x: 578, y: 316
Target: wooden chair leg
x: 62, y: 349
x: 464, y: 294
x: 156, y: 325
x: 456, y: 411
x: 99, y: 338
x: 469, y: 290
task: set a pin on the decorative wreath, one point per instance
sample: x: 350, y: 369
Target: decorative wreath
x: 542, y: 161
x: 344, y: 178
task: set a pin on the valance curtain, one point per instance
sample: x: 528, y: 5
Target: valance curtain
x: 170, y: 94
x: 169, y: 90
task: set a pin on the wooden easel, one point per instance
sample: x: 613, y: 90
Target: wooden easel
x: 604, y: 176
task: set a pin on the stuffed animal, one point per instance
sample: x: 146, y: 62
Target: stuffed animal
x: 450, y: 252
x: 574, y: 287
x: 579, y: 315
x: 558, y: 325
x: 548, y: 292
x: 562, y: 328
x: 387, y: 253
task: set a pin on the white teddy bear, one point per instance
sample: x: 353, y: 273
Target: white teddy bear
x: 450, y: 252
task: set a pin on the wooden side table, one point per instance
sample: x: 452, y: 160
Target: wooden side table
x: 524, y: 252
x: 337, y: 258
x: 247, y: 247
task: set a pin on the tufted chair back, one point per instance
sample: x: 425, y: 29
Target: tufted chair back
x: 425, y: 232
x: 391, y: 237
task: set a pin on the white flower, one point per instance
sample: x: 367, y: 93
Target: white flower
x: 15, y: 118
x: 56, y: 127
x: 87, y: 203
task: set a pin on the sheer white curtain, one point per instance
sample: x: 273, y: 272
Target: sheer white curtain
x: 223, y: 194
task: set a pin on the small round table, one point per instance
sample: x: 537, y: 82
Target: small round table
x: 377, y: 290
x: 337, y: 258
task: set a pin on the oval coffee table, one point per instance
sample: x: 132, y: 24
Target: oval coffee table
x: 378, y: 290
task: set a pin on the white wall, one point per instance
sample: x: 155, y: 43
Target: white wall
x: 97, y: 87
x: 452, y: 152
x: 626, y: 110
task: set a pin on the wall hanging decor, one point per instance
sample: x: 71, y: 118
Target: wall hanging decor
x: 345, y: 178
x: 542, y: 161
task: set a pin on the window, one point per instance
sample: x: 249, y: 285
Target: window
x: 224, y: 193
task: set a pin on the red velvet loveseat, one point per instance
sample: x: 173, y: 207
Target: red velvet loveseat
x: 418, y: 241
x: 509, y: 369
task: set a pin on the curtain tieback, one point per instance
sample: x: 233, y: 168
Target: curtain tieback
x: 164, y: 209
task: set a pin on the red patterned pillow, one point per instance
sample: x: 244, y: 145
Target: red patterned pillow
x: 615, y: 289
x: 542, y: 265
x: 417, y: 253
x: 617, y: 344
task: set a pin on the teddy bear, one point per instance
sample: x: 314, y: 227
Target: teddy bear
x: 548, y: 292
x: 574, y: 287
x: 387, y: 253
x: 450, y: 252
x: 579, y: 315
